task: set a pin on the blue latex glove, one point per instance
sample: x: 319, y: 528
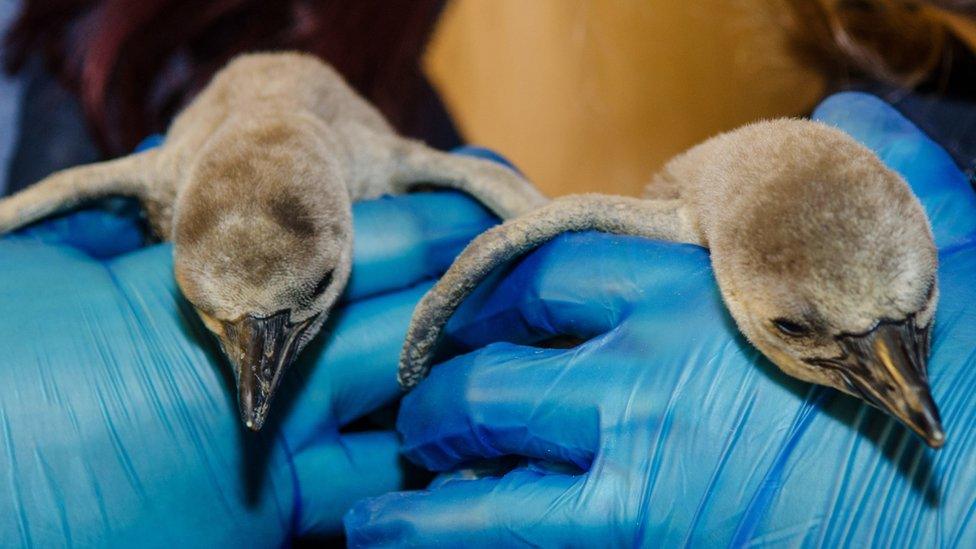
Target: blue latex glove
x: 118, y: 421
x: 665, y: 427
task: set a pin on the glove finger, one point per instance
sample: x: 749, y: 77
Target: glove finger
x: 371, y: 349
x: 522, y: 508
x: 401, y: 240
x: 502, y: 400
x: 113, y: 228
x: 553, y: 291
x: 350, y: 369
x: 333, y: 475
x: 934, y: 177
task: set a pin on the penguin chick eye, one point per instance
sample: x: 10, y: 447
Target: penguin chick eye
x: 791, y: 328
x: 323, y: 284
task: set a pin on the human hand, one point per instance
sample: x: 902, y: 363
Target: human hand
x: 664, y: 426
x: 118, y: 420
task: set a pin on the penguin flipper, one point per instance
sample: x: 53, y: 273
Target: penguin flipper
x: 501, y: 189
x: 659, y: 219
x: 129, y: 176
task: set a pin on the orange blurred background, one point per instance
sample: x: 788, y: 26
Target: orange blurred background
x: 596, y: 95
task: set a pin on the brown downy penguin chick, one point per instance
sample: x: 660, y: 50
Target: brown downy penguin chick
x: 254, y: 185
x: 823, y: 256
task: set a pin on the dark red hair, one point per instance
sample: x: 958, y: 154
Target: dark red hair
x: 134, y: 63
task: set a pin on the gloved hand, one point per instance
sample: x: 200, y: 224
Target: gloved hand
x: 665, y: 427
x: 118, y: 421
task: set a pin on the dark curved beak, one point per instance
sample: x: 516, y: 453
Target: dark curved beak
x: 260, y: 349
x: 887, y: 367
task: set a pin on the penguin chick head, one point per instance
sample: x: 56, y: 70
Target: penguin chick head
x: 831, y: 272
x: 263, y: 248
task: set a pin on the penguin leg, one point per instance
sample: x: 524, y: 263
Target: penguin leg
x: 659, y: 219
x: 499, y: 188
x: 129, y: 175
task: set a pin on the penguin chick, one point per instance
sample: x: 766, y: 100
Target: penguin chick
x: 254, y: 184
x: 823, y: 256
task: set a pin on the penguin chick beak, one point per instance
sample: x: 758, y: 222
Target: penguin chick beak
x: 887, y: 367
x: 260, y: 349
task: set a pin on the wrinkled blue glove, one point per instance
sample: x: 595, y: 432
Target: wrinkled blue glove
x: 118, y: 421
x: 665, y: 427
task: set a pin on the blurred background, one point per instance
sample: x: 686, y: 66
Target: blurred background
x: 595, y: 95
x: 583, y: 95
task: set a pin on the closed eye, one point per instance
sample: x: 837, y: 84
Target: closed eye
x: 791, y: 328
x: 323, y: 284
x: 930, y: 291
